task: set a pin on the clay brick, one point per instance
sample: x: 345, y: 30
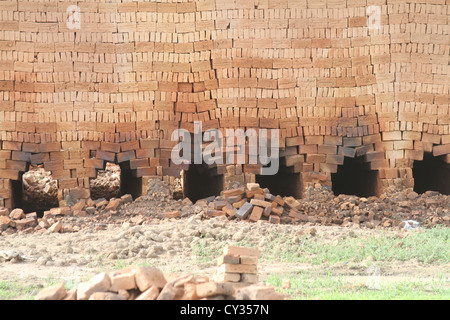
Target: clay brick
x: 441, y: 150
x: 237, y: 268
x: 241, y: 251
x: 256, y: 213
x: 212, y: 288
x: 392, y: 135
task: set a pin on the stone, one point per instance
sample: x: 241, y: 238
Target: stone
x: 75, y: 195
x: 253, y: 186
x: 261, y: 203
x: 258, y: 292
x: 56, y: 292
x: 56, y: 227
x: 90, y: 210
x: 147, y: 277
x: 239, y: 204
x: 181, y: 281
x: 412, y: 195
x: 209, y: 289
x: 79, y: 213
x: 101, y: 203
x: 4, y: 212
x: 71, y: 294
x: 298, y: 216
x: 106, y: 296
x: 244, y: 211
x: 286, y: 284
x: 218, y: 205
x: 6, y: 222
x: 238, y: 268
x: 187, y: 202
x: 17, y: 214
x: 172, y: 214
x: 127, y: 198
x: 62, y: 211
x: 249, y: 260
x: 169, y: 292
x: 31, y: 215
x: 123, y: 281
x: 124, y: 293
x: 241, y: 251
x: 249, y: 278
x: 256, y: 214
x: 274, y: 219
x: 229, y: 210
x: 98, y: 283
x: 190, y: 292
x: 238, y: 236
x: 79, y: 205
x: 43, y: 223
x: 113, y: 205
x: 228, y: 258
x: 150, y: 294
x: 228, y: 277
x: 25, y: 223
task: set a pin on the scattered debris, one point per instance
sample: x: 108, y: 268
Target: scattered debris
x: 410, y: 224
x: 251, y: 203
x: 12, y: 256
x: 322, y: 207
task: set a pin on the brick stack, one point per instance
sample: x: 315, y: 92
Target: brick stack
x: 115, y: 89
x: 238, y: 266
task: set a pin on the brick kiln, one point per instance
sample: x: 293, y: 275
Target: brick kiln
x: 358, y: 106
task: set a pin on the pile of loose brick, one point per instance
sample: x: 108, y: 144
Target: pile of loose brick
x: 17, y: 220
x: 253, y: 203
x: 321, y: 207
x: 145, y: 283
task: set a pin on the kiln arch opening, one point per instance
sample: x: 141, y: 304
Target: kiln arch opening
x: 283, y: 183
x: 199, y: 182
x: 431, y: 174
x: 353, y: 178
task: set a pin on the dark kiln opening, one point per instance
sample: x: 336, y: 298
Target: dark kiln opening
x: 353, y: 178
x: 284, y: 183
x: 200, y: 182
x: 431, y: 174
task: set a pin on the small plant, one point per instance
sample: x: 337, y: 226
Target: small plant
x: 120, y: 264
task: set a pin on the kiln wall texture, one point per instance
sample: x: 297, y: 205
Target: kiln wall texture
x: 111, y: 82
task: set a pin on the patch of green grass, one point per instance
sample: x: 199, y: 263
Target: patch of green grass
x: 15, y: 289
x: 428, y: 246
x: 18, y: 290
x: 205, y: 249
x: 10, y: 290
x: 306, y: 286
x: 120, y: 264
x: 145, y: 264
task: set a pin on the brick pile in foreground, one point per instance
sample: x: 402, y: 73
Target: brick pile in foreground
x: 148, y: 283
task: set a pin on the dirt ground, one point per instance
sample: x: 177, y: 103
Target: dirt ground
x: 140, y: 235
x: 183, y: 246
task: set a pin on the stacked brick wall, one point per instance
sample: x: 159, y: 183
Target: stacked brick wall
x: 114, y: 87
